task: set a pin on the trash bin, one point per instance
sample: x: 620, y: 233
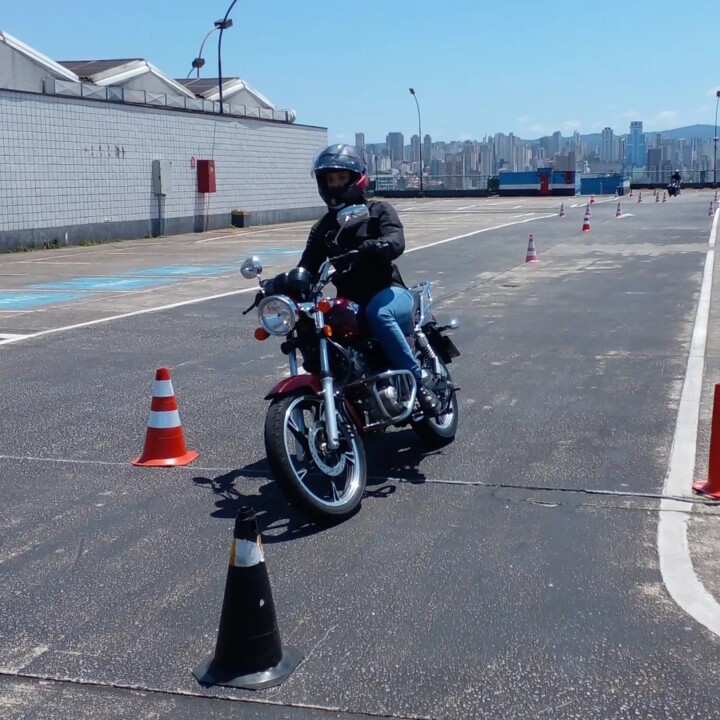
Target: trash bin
x: 239, y: 218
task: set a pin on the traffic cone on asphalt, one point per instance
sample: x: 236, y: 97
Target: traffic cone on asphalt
x: 657, y: 197
x: 588, y: 210
x: 711, y: 210
x: 639, y: 196
x: 618, y: 212
x: 711, y: 486
x: 664, y: 197
x: 164, y: 441
x: 617, y: 195
x: 562, y: 210
x: 631, y: 193
x: 592, y: 199
x: 532, y: 256
x: 586, y: 221
x: 248, y: 652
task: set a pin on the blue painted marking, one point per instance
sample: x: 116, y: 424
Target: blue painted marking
x: 274, y: 251
x: 202, y: 270
x: 100, y: 284
x: 20, y: 300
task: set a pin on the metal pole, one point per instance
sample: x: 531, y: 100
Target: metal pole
x: 412, y: 92
x: 715, y: 139
x: 222, y: 28
x: 199, y: 57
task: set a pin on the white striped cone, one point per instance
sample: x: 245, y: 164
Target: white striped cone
x: 586, y: 222
x: 711, y: 211
x: 664, y: 197
x: 618, y: 212
x: 532, y: 256
x: 562, y: 210
x: 639, y: 196
x: 164, y: 440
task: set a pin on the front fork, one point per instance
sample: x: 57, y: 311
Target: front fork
x: 326, y: 382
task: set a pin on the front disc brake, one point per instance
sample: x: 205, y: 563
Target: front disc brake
x: 329, y: 462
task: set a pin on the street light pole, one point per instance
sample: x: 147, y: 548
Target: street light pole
x: 199, y: 62
x: 223, y: 24
x: 412, y: 92
x: 715, y: 139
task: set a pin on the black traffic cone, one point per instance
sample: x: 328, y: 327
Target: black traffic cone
x: 248, y: 653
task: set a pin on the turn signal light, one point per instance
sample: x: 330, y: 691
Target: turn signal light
x: 327, y: 330
x: 261, y: 334
x: 324, y: 306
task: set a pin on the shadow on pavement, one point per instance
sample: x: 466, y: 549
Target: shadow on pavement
x: 392, y: 456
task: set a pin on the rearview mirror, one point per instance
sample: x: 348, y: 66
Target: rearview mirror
x: 251, y: 268
x: 353, y: 215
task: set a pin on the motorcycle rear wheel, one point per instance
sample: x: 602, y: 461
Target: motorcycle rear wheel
x: 326, y: 485
x: 436, y: 432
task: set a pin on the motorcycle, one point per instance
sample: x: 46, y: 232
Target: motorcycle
x: 673, y: 188
x: 317, y: 419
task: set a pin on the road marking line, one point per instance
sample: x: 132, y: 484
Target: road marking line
x: 676, y: 565
x: 194, y: 301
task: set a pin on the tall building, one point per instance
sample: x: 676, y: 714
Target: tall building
x: 396, y: 147
x: 360, y: 141
x: 636, y: 147
x: 427, y: 150
x: 415, y: 149
x: 607, y: 145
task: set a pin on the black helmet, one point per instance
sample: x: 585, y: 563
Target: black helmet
x: 341, y: 157
x: 299, y: 283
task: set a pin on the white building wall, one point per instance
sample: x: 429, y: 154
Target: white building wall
x: 85, y: 168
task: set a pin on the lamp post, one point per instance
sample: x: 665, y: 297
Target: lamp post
x: 715, y: 140
x: 412, y: 92
x: 199, y: 62
x: 222, y: 25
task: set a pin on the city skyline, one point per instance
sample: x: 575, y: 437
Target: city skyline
x: 528, y: 67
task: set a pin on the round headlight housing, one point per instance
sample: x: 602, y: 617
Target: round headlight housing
x: 278, y: 314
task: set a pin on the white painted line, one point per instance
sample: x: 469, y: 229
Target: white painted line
x: 145, y: 311
x: 11, y: 336
x: 675, y: 560
x: 194, y: 301
x: 477, y: 232
x: 466, y: 207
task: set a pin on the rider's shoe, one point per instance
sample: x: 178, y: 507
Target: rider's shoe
x: 428, y: 401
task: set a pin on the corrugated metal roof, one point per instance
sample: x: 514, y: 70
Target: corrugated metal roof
x: 202, y: 85
x: 88, y: 68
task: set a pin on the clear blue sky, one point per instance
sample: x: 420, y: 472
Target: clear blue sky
x: 522, y: 66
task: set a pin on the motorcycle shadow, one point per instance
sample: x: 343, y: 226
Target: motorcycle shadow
x: 392, y: 457
x: 278, y: 521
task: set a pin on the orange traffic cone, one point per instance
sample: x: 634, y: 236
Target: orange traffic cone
x: 532, y: 256
x: 618, y: 212
x: 631, y: 193
x: 711, y: 210
x: 164, y: 441
x: 586, y: 221
x: 664, y: 197
x: 711, y: 486
x: 592, y: 199
x: 562, y: 210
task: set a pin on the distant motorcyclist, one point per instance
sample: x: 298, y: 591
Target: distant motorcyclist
x: 676, y: 177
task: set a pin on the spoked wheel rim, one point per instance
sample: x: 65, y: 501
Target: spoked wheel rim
x: 330, y: 478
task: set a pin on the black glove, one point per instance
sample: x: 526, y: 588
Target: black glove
x: 372, y: 247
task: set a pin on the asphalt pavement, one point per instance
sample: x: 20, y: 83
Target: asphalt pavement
x: 514, y: 574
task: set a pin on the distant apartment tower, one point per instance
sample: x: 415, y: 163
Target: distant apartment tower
x: 607, y: 145
x: 415, y: 149
x: 636, y: 149
x: 396, y: 147
x: 360, y: 141
x: 427, y: 150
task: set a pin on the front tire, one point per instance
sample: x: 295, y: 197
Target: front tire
x: 326, y: 485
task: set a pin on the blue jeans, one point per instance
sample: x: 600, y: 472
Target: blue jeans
x: 389, y: 315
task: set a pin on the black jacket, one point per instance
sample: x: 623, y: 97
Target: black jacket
x: 372, y: 271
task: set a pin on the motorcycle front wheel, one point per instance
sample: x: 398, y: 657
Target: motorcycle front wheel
x: 327, y: 485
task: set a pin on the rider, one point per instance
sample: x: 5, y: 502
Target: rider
x: 373, y: 280
x: 675, y: 177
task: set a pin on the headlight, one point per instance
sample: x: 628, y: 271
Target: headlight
x: 277, y: 314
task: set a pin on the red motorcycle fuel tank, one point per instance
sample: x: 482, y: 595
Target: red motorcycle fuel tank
x: 344, y: 319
